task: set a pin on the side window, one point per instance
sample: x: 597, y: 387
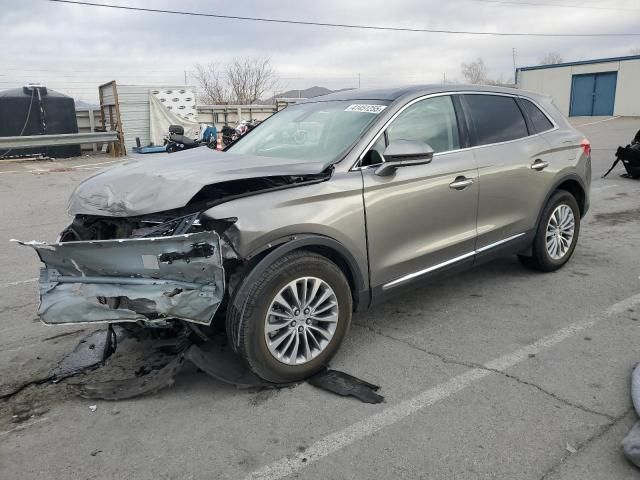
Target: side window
x: 432, y: 121
x: 374, y: 155
x: 496, y: 118
x: 539, y: 120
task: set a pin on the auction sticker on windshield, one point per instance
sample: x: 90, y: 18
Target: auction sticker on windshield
x: 363, y: 108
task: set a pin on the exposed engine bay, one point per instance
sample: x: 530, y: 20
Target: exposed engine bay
x: 151, y: 268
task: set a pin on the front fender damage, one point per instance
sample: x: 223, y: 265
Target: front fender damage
x: 131, y: 280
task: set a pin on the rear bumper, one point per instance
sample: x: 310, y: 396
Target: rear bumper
x: 131, y: 280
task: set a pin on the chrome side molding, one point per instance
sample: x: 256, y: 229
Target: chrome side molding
x: 451, y: 261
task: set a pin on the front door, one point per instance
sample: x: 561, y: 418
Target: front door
x: 423, y: 217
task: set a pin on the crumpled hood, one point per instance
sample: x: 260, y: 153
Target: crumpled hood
x: 167, y: 181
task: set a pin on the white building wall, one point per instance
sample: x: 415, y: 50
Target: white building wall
x: 628, y: 89
x: 556, y: 83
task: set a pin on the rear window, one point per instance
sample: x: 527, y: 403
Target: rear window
x: 539, y: 120
x: 496, y: 118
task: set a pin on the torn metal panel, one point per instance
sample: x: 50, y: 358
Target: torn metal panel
x: 631, y: 443
x: 140, y: 187
x: 131, y: 280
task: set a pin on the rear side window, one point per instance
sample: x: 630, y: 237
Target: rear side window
x: 539, y: 120
x: 496, y: 118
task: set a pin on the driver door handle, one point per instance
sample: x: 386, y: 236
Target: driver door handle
x: 539, y: 165
x: 460, y: 183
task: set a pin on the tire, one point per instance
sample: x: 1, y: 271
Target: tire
x: 246, y: 326
x: 542, y: 258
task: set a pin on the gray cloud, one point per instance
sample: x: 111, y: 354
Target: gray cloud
x: 74, y: 48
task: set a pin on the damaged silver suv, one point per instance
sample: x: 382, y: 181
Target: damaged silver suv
x: 326, y: 208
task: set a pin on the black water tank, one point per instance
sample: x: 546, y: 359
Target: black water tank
x: 58, y: 115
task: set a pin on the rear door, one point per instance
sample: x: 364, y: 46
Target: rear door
x: 515, y: 166
x: 423, y: 217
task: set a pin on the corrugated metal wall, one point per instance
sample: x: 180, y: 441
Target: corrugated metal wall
x: 134, y: 112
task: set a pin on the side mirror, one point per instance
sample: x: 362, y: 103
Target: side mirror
x: 404, y: 153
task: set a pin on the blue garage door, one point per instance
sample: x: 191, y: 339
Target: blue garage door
x: 593, y: 94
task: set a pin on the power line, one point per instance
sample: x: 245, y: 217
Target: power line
x: 346, y: 25
x: 558, y: 5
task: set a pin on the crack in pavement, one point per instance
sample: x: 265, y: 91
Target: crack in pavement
x: 15, y: 307
x: 581, y: 446
x: 39, y: 381
x: 463, y: 363
x: 90, y: 353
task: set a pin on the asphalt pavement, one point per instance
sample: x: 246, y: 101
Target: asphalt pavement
x: 497, y: 373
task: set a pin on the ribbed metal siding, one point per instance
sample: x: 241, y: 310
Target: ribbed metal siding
x: 134, y: 111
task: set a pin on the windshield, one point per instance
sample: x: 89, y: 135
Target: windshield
x: 319, y: 131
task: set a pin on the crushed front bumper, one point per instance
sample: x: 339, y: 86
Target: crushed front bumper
x: 131, y: 280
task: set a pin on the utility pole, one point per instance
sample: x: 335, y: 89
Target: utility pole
x: 358, y: 80
x: 444, y: 78
x: 185, y: 77
x: 515, y: 72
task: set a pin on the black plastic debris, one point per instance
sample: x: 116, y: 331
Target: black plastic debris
x: 346, y: 385
x: 214, y: 357
x: 222, y: 364
x: 90, y: 353
x: 133, y: 387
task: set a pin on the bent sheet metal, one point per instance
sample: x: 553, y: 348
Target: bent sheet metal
x: 131, y: 280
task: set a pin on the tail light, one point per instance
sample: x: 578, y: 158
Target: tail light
x: 586, y: 147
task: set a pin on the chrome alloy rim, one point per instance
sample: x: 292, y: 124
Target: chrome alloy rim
x: 560, y: 231
x: 301, y: 320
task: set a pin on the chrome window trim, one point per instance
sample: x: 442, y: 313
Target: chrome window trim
x: 356, y: 167
x: 451, y: 261
x: 544, y: 112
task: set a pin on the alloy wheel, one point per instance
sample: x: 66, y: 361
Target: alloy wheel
x: 301, y: 320
x: 560, y: 231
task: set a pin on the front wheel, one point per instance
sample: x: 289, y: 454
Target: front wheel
x: 295, y: 316
x: 557, y: 234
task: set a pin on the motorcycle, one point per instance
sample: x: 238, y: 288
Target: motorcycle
x: 232, y: 134
x: 176, y: 141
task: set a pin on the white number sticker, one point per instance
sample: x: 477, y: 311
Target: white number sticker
x: 363, y: 108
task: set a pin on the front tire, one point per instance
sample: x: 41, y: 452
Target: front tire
x: 294, y: 319
x: 556, y: 235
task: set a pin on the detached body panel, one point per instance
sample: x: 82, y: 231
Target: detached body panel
x: 131, y: 280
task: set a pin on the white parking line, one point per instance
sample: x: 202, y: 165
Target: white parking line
x: 86, y: 166
x: 22, y: 426
x: 597, y: 121
x: 395, y: 413
x: 18, y: 282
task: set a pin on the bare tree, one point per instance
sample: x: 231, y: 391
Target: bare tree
x: 635, y: 51
x: 213, y: 90
x: 475, y: 72
x: 249, y: 78
x: 243, y: 81
x: 552, y: 58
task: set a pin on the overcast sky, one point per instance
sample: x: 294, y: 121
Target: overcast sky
x: 75, y: 48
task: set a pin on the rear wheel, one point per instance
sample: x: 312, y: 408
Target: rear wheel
x: 295, y: 316
x: 557, y: 234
